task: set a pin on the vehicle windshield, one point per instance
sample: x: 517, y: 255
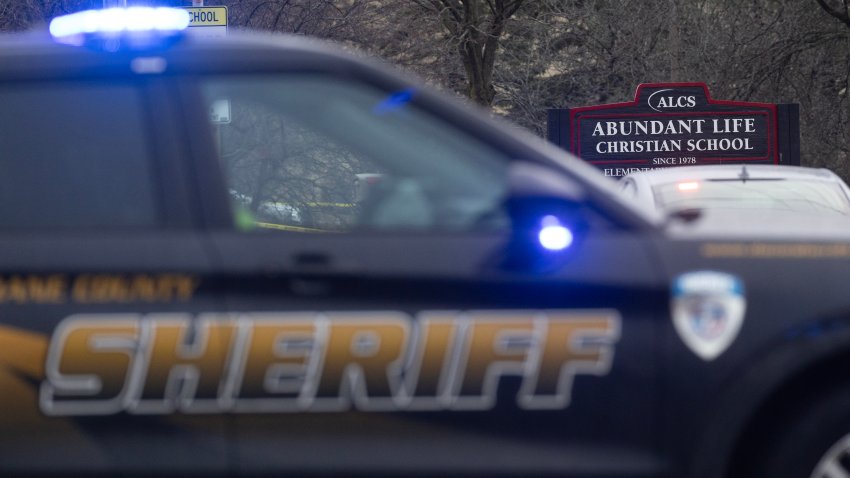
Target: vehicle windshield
x: 798, y: 195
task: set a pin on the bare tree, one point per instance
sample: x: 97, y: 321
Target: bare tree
x: 475, y: 26
x: 839, y: 9
x: 332, y: 19
x: 26, y: 14
x: 784, y: 51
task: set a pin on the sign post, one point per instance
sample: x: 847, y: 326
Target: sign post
x: 677, y: 124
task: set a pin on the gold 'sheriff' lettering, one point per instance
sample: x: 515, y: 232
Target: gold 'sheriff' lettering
x: 181, y: 371
x: 362, y: 361
x: 292, y: 362
x: 90, y: 372
x: 495, y: 345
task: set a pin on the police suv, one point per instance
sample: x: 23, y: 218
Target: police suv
x: 193, y: 283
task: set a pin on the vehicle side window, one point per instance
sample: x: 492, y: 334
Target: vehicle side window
x: 308, y: 152
x: 92, y: 169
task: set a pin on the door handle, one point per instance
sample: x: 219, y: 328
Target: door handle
x: 308, y: 267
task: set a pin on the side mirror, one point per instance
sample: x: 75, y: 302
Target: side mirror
x: 545, y: 210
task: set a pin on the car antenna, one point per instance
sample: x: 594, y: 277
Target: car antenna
x: 744, y: 174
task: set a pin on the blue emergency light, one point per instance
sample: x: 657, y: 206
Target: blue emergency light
x: 114, y: 28
x: 553, y: 235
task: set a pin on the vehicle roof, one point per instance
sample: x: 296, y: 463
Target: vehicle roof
x: 35, y: 52
x: 733, y: 171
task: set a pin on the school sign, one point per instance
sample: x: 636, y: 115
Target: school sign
x: 675, y: 124
x: 207, y: 21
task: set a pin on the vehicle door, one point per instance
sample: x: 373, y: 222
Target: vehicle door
x: 101, y: 279
x: 398, y: 308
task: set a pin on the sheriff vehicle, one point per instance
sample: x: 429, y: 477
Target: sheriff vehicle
x: 490, y: 307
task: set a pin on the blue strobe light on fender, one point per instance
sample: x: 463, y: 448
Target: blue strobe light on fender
x: 553, y: 235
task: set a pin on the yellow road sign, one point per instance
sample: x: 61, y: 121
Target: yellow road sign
x: 208, y: 20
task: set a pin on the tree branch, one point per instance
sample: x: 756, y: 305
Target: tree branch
x: 843, y: 16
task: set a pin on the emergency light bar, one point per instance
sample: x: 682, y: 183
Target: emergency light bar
x: 114, y: 28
